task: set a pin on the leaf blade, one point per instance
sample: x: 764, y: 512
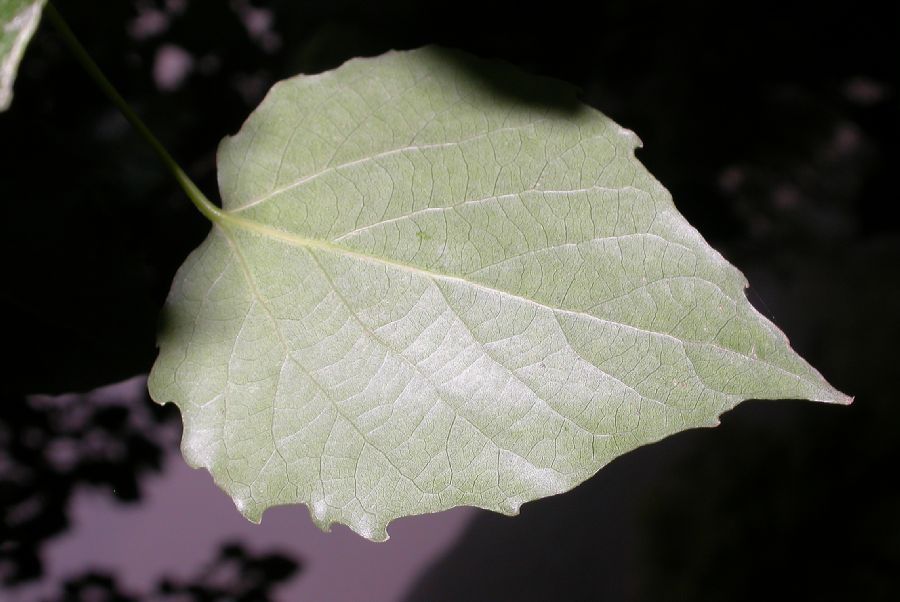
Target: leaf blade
x: 18, y: 21
x: 425, y: 297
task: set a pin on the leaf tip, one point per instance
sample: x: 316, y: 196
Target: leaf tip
x: 825, y: 392
x: 839, y: 398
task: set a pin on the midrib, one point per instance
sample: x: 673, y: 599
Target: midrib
x: 228, y: 219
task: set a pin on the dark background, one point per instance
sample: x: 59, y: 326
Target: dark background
x: 773, y: 124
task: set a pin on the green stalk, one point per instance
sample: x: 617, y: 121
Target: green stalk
x: 210, y: 211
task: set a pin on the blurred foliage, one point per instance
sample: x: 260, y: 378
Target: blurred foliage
x: 50, y: 447
x: 235, y: 575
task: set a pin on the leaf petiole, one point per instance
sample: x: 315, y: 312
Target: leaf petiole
x: 209, y: 210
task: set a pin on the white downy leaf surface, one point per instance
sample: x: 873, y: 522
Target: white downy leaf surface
x: 425, y: 292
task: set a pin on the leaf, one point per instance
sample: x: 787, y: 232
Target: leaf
x: 425, y: 293
x: 18, y: 21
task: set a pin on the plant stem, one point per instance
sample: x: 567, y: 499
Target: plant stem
x: 210, y: 211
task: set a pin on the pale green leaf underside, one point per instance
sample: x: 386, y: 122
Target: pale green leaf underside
x: 18, y: 20
x: 424, y: 294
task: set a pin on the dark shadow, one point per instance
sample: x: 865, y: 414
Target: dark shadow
x: 506, y: 84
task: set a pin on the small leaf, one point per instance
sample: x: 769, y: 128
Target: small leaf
x: 424, y: 292
x: 18, y: 20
